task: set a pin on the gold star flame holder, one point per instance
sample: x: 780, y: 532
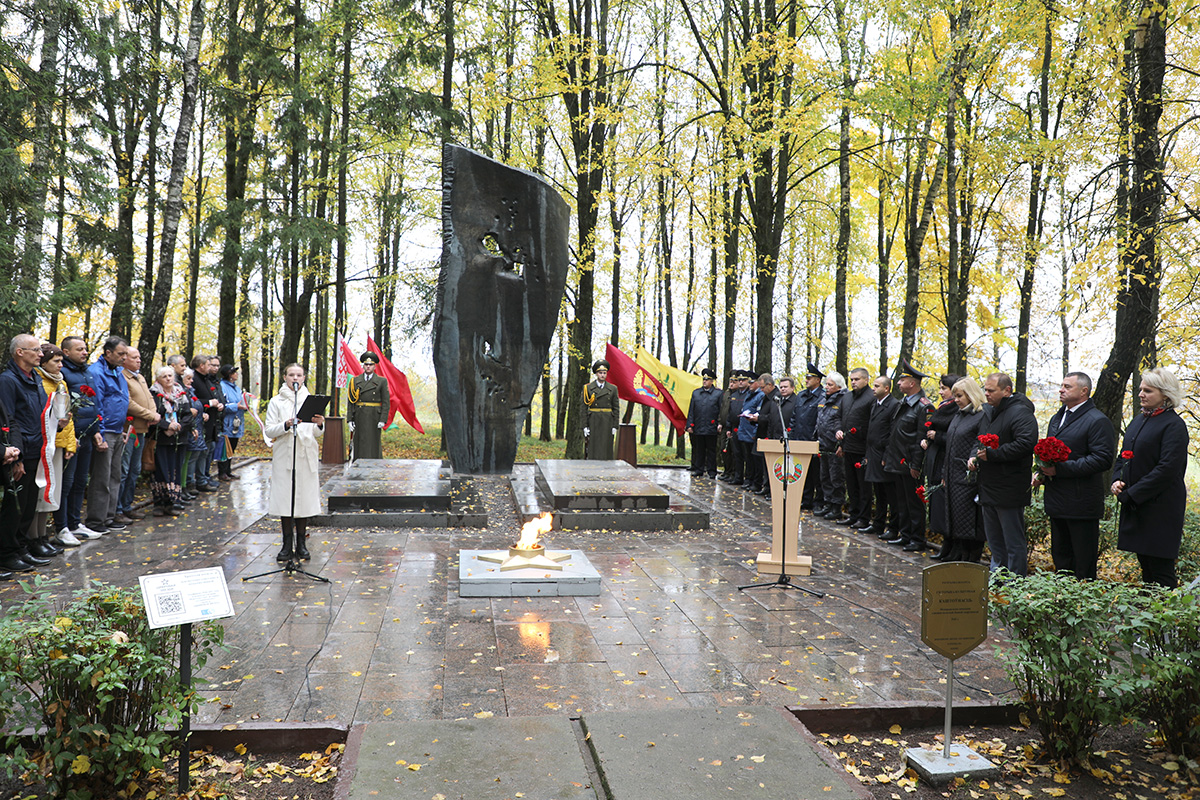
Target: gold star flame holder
x: 527, y: 553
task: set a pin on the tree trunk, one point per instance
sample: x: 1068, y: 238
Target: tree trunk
x: 157, y: 310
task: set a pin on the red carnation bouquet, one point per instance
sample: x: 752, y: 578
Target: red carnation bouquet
x: 989, y: 440
x: 1050, y: 450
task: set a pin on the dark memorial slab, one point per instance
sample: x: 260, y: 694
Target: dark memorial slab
x: 401, y: 493
x: 504, y: 267
x: 614, y: 485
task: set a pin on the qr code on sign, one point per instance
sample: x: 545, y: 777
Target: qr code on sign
x: 169, y: 604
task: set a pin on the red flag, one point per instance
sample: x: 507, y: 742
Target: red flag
x: 638, y: 386
x: 398, y: 391
x: 347, y: 362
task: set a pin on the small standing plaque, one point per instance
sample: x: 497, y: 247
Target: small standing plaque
x: 954, y: 607
x: 176, y: 598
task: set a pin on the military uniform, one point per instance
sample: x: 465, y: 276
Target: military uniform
x: 704, y: 415
x: 904, y: 454
x: 601, y: 415
x: 804, y: 428
x: 732, y: 409
x: 367, y: 411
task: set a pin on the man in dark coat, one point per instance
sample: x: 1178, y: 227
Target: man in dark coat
x: 747, y: 433
x: 1074, y: 489
x: 735, y: 460
x: 879, y: 431
x: 904, y: 457
x: 23, y: 398
x: 829, y: 422
x: 856, y: 414
x: 804, y: 429
x: 1004, y: 485
x: 601, y: 414
x: 768, y: 411
x: 704, y: 416
x: 213, y: 401
x: 87, y: 430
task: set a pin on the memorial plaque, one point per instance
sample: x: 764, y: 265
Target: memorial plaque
x: 954, y: 607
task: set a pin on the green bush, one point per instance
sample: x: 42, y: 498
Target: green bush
x: 1163, y: 638
x: 98, y: 687
x: 1066, y: 651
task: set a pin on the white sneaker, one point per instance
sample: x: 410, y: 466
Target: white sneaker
x: 84, y: 533
x: 67, y: 539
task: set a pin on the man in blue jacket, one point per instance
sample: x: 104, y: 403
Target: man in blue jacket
x: 23, y: 399
x: 76, y: 470
x: 747, y: 434
x: 112, y: 401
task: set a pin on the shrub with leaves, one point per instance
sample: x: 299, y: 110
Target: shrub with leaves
x: 1066, y: 653
x: 1163, y: 637
x: 98, y: 687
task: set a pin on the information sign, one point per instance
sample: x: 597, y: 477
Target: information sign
x: 175, y: 598
x: 954, y: 607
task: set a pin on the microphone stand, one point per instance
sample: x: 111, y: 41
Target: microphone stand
x: 292, y: 566
x: 783, y: 581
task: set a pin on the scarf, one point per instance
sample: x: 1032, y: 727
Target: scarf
x: 1155, y: 412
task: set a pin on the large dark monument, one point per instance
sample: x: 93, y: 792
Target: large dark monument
x: 504, y: 268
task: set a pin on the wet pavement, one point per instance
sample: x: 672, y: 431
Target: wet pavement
x: 390, y: 639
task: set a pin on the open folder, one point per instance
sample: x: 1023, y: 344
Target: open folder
x: 313, y: 404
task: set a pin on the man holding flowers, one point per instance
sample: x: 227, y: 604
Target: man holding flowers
x: 1074, y: 488
x: 1004, y: 489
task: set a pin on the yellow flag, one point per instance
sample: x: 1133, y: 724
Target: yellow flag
x: 679, y: 383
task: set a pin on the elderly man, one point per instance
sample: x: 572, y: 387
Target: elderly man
x: 703, y: 423
x: 141, y: 416
x: 829, y: 424
x: 112, y: 400
x: 367, y: 409
x: 23, y: 399
x: 1074, y: 490
x: 1004, y: 488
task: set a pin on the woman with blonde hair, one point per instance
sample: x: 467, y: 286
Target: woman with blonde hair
x: 964, y: 522
x: 1148, y: 479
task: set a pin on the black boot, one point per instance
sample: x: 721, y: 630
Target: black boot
x: 302, y: 540
x: 286, y: 554
x: 947, y: 548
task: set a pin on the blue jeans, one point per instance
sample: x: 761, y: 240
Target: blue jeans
x: 131, y: 468
x: 74, y: 486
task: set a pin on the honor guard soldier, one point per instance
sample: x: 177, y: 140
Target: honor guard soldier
x: 367, y: 410
x: 600, y: 414
x: 904, y: 457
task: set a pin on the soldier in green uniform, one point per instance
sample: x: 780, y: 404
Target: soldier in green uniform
x: 367, y: 411
x: 600, y: 416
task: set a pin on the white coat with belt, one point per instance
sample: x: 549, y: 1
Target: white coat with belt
x: 308, y: 488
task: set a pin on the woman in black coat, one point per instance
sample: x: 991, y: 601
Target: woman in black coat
x: 960, y: 442
x: 1148, y: 479
x: 934, y: 445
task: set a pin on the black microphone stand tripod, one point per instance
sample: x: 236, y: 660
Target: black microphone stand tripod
x: 783, y: 581
x: 293, y: 564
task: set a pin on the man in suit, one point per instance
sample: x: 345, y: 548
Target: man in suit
x: 856, y: 414
x: 1074, y: 489
x: 367, y: 409
x: 601, y: 414
x: 879, y: 430
x: 904, y: 457
x: 804, y: 429
x: 704, y: 413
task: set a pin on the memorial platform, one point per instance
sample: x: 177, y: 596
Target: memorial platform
x: 402, y: 493
x: 595, y: 495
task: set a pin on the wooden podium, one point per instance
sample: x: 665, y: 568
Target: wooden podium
x: 787, y: 474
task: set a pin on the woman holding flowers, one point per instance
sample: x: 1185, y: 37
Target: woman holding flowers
x: 1148, y: 479
x: 964, y: 528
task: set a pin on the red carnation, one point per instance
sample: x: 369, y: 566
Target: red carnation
x: 129, y: 419
x: 989, y: 440
x: 100, y: 417
x: 87, y: 391
x: 1125, y: 454
x: 858, y: 465
x: 929, y: 424
x: 854, y: 430
x: 902, y: 461
x: 921, y: 494
x: 4, y: 429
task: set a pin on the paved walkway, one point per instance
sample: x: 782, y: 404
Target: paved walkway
x: 389, y: 638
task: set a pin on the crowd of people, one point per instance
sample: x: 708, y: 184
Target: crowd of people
x: 897, y: 465
x: 73, y: 428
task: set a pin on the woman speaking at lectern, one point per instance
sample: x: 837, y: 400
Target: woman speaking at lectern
x: 295, y: 495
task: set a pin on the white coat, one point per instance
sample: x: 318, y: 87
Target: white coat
x: 308, y: 488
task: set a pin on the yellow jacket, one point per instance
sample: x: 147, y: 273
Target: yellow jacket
x: 66, y: 437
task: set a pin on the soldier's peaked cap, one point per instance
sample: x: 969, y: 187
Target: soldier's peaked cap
x: 906, y: 368
x: 369, y: 356
x: 813, y: 370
